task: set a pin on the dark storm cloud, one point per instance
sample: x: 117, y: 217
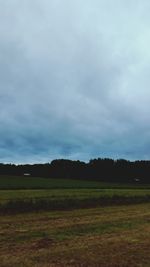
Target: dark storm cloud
x: 74, y: 79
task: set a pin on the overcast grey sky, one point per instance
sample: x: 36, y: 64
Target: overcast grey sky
x: 74, y: 79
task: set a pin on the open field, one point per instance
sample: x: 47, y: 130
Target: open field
x: 14, y: 201
x: 21, y: 182
x: 65, y: 194
x: 73, y: 223
x: 117, y: 236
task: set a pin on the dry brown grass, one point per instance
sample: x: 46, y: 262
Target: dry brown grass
x: 105, y: 237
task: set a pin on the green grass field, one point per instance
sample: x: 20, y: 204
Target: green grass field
x: 51, y: 199
x: 58, y: 223
x: 8, y: 182
x: 12, y: 182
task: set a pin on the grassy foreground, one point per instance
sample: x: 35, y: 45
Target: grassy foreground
x: 117, y: 236
x: 43, y: 223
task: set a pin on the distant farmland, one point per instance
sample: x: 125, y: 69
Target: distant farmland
x: 21, y: 182
x: 23, y: 194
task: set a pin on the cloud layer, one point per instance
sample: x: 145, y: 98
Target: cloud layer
x: 74, y: 79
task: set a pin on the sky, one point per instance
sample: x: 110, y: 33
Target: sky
x: 74, y: 80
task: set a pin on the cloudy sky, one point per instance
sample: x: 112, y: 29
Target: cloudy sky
x: 74, y: 79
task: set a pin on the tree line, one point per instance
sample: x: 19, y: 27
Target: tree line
x: 105, y: 170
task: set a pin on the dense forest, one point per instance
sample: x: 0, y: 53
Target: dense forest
x: 107, y: 170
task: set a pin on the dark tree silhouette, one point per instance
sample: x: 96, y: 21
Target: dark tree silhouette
x: 106, y: 170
